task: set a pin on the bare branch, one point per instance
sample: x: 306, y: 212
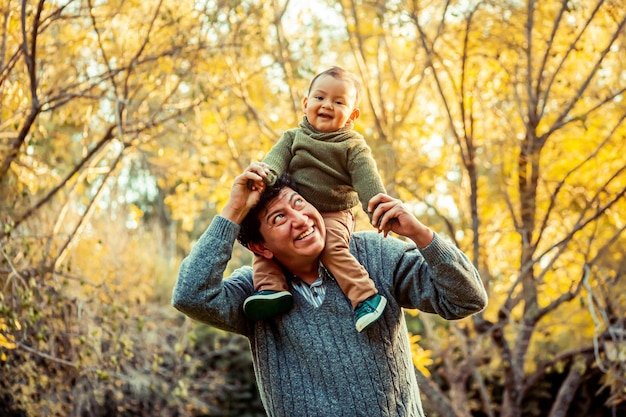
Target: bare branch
x: 483, y: 392
x: 242, y: 93
x: 30, y: 51
x: 533, y: 120
x: 46, y: 356
x: 438, y: 400
x: 582, y: 223
x: 568, y: 388
x: 89, y: 209
x: 107, y: 137
x: 282, y: 52
x: 542, y: 66
x: 449, y: 225
x: 589, y: 159
x: 545, y: 366
x: 561, y: 119
x: 14, y: 271
x: 571, y: 49
x: 563, y: 298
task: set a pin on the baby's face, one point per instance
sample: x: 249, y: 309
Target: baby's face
x: 331, y: 104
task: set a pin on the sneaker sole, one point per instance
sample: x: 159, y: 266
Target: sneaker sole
x: 366, y: 321
x: 266, y: 306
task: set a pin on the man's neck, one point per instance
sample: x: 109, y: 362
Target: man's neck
x: 308, y: 273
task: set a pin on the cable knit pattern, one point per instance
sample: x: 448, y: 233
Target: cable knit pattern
x: 334, y: 171
x: 311, y: 362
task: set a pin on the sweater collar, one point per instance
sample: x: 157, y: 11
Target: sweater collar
x: 346, y: 132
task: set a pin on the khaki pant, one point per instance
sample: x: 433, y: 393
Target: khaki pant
x: 351, y: 276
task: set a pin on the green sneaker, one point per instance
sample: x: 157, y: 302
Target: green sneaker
x: 368, y: 311
x: 267, y: 303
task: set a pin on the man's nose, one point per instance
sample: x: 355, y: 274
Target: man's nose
x: 298, y: 218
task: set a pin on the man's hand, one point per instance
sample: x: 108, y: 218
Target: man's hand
x: 246, y: 192
x: 390, y: 214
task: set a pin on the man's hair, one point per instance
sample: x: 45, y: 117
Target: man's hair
x: 339, y: 73
x: 249, y: 229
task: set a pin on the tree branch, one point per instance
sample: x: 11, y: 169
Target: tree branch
x: 438, y: 401
x: 107, y: 137
x: 568, y: 388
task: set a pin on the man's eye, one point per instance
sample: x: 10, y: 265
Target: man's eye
x: 298, y: 202
x: 278, y: 218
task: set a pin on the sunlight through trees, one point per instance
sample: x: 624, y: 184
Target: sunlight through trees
x: 122, y: 125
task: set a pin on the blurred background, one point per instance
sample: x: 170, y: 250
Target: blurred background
x: 123, y: 123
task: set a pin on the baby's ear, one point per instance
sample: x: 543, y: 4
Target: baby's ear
x: 260, y: 249
x: 355, y: 114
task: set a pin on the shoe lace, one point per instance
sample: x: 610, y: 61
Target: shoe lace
x: 365, y: 308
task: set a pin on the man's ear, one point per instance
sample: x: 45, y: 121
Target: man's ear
x: 260, y: 249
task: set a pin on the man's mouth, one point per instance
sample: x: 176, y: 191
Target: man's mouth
x: 305, y: 234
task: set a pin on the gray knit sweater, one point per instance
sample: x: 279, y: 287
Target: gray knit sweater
x: 311, y: 362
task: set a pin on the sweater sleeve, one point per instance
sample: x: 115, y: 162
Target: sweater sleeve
x: 279, y: 157
x: 202, y: 293
x: 443, y: 281
x: 364, y: 174
x: 438, y: 279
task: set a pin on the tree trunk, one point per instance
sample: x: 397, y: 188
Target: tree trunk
x: 437, y: 400
x: 568, y: 389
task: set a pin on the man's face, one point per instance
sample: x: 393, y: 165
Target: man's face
x: 293, y: 230
x: 330, y: 104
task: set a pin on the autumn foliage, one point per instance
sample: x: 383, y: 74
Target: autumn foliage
x: 122, y: 125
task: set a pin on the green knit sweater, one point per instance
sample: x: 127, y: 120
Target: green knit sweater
x: 333, y: 171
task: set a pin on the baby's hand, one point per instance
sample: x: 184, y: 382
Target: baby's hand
x: 261, y: 169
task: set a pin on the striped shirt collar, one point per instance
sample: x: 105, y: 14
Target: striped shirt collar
x: 315, y: 293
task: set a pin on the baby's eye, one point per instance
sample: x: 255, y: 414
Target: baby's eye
x: 339, y: 102
x: 320, y: 98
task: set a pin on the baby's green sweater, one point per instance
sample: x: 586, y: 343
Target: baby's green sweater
x: 334, y: 171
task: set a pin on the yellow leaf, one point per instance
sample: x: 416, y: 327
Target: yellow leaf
x: 421, y: 357
x: 6, y: 341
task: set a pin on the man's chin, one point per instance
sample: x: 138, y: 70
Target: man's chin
x: 313, y: 248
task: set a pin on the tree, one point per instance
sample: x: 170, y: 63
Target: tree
x: 123, y: 124
x: 485, y: 93
x: 90, y: 91
x: 559, y: 93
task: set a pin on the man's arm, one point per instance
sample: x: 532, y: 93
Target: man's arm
x: 200, y: 291
x: 439, y: 279
x: 246, y: 192
x: 436, y: 277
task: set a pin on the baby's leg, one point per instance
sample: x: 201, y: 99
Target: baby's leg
x: 351, y: 276
x: 268, y: 275
x: 272, y: 296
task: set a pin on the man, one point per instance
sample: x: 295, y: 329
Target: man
x: 309, y: 361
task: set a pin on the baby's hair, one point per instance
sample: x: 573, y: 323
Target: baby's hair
x: 339, y: 73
